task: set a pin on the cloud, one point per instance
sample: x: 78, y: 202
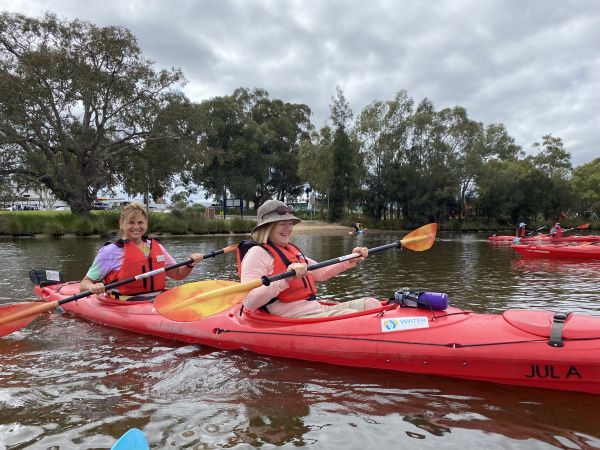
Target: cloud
x: 532, y: 66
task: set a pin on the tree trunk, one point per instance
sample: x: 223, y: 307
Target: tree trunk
x: 80, y: 202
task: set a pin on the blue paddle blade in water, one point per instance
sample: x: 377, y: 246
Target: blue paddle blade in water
x: 134, y: 439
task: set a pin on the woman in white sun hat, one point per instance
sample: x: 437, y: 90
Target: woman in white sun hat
x: 271, y: 252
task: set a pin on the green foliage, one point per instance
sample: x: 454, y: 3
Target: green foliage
x: 249, y: 146
x: 586, y: 187
x: 347, y: 163
x: 54, y: 229
x: 75, y: 99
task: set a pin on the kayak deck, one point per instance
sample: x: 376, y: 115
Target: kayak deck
x: 511, y: 348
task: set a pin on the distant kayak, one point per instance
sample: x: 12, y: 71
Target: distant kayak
x: 546, y: 239
x: 361, y: 231
x: 560, y: 251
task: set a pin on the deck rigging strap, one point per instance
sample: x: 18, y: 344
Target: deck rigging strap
x: 558, y: 323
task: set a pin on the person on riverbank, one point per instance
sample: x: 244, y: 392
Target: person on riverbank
x: 556, y: 230
x: 132, y: 255
x: 271, y: 252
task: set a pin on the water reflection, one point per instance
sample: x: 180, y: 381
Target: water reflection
x: 69, y: 384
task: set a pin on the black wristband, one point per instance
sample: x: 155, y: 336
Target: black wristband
x: 190, y: 266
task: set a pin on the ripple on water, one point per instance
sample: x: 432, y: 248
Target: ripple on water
x: 69, y: 384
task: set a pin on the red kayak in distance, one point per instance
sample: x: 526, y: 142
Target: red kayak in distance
x: 559, y: 251
x: 519, y: 347
x: 546, y: 239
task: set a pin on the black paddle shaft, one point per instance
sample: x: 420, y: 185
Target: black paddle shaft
x: 290, y: 273
x: 140, y: 277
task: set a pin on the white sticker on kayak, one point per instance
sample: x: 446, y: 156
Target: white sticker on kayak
x: 52, y: 275
x: 403, y: 323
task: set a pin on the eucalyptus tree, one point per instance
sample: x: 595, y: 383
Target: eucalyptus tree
x: 586, y: 188
x: 554, y: 161
x: 153, y: 168
x: 552, y: 158
x: 382, y: 129
x: 284, y: 127
x: 249, y: 144
x: 315, y: 162
x: 74, y: 98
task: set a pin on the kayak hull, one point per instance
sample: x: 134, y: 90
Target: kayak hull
x: 558, y: 251
x: 545, y: 239
x: 510, y: 348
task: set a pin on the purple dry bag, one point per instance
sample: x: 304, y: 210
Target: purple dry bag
x: 421, y: 298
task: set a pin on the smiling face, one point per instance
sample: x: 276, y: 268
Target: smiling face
x: 134, y: 227
x: 281, y: 233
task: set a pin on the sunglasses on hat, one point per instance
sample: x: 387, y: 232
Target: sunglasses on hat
x: 283, y: 210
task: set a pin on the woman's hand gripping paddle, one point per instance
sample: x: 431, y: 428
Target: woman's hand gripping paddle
x: 16, y: 316
x: 195, y: 301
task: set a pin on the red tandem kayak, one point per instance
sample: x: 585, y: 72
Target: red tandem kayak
x: 510, y: 348
x: 561, y: 251
x: 546, y: 239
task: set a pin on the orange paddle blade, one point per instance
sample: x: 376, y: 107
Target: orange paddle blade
x: 585, y: 226
x: 189, y: 302
x: 15, y: 317
x: 421, y: 239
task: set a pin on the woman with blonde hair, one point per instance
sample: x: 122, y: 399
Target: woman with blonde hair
x: 271, y: 252
x: 134, y: 253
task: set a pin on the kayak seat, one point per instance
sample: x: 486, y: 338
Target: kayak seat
x: 271, y: 318
x: 539, y: 323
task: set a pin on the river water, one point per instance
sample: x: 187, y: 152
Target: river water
x: 69, y: 384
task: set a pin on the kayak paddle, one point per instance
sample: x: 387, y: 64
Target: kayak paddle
x: 133, y: 439
x: 195, y: 301
x: 584, y: 226
x: 16, y: 316
x: 531, y: 233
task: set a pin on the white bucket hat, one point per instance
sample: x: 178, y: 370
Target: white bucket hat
x: 274, y: 211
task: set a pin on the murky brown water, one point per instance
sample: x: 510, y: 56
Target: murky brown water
x: 70, y: 384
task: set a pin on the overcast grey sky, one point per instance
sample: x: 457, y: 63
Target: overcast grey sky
x: 533, y: 65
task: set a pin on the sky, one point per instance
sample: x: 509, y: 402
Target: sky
x: 532, y: 65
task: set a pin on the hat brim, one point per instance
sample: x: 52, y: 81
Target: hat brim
x: 277, y: 218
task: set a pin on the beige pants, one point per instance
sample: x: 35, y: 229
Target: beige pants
x: 352, y: 306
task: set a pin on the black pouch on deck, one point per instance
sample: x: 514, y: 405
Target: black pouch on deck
x: 45, y: 277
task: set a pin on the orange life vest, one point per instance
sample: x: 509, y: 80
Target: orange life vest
x: 299, y: 288
x: 135, y: 262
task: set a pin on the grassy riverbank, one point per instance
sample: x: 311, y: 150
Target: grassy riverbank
x: 193, y: 221
x: 106, y: 223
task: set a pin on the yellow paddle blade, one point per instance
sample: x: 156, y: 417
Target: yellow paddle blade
x: 421, y: 239
x: 190, y: 301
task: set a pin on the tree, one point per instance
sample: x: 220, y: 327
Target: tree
x: 152, y: 168
x: 347, y: 168
x: 553, y: 159
x: 74, y: 98
x: 315, y: 164
x: 250, y: 144
x: 382, y: 129
x: 586, y: 187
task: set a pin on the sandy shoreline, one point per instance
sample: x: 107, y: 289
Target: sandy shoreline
x: 320, y: 227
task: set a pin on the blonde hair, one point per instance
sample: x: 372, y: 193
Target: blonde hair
x: 132, y: 210
x: 261, y: 234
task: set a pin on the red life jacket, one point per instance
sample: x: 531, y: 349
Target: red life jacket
x: 299, y: 288
x: 136, y: 263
